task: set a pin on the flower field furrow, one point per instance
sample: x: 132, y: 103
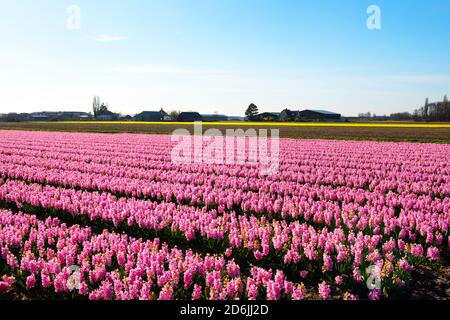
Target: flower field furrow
x: 311, y: 152
x: 296, y: 244
x: 139, y: 159
x: 281, y: 202
x: 398, y: 182
x: 39, y: 257
x: 189, y: 220
x: 352, y: 155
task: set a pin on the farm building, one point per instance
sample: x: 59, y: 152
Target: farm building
x: 149, y: 116
x: 189, y: 116
x: 49, y: 116
x: 214, y: 117
x: 60, y: 116
x: 236, y: 118
x: 73, y: 115
x: 126, y: 118
x: 35, y: 116
x: 319, y: 115
x: 166, y: 116
x: 289, y: 115
x: 16, y: 117
x: 106, y: 115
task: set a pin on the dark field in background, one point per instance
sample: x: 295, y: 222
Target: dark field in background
x: 438, y: 135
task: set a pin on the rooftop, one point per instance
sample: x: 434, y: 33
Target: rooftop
x: 190, y: 112
x: 322, y: 111
x: 151, y: 112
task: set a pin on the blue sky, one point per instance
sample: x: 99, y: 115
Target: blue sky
x: 222, y: 55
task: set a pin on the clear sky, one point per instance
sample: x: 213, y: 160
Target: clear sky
x: 222, y: 55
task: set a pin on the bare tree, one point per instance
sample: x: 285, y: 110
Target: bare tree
x: 103, y: 107
x: 436, y: 111
x: 425, y: 110
x: 96, y: 105
x: 446, y: 108
x: 174, y: 114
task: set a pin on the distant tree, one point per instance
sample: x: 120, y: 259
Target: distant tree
x: 96, y: 105
x: 403, y: 116
x: 436, y: 111
x: 174, y: 114
x: 446, y: 109
x: 103, y: 107
x: 425, y: 110
x: 366, y: 115
x: 251, y: 112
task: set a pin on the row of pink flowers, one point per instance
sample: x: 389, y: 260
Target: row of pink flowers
x: 112, y: 266
x: 299, y: 243
x: 195, y: 187
x: 354, y: 208
x: 271, y: 197
x: 360, y: 170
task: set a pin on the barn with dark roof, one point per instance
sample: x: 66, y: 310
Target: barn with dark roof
x: 189, y: 116
x: 149, y: 116
x: 319, y: 115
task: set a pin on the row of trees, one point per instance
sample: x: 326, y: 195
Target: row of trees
x: 437, y: 111
x: 401, y: 116
x: 433, y: 112
x: 98, y: 107
x: 370, y: 116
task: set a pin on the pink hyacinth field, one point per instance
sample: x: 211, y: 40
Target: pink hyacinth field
x: 113, y: 217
